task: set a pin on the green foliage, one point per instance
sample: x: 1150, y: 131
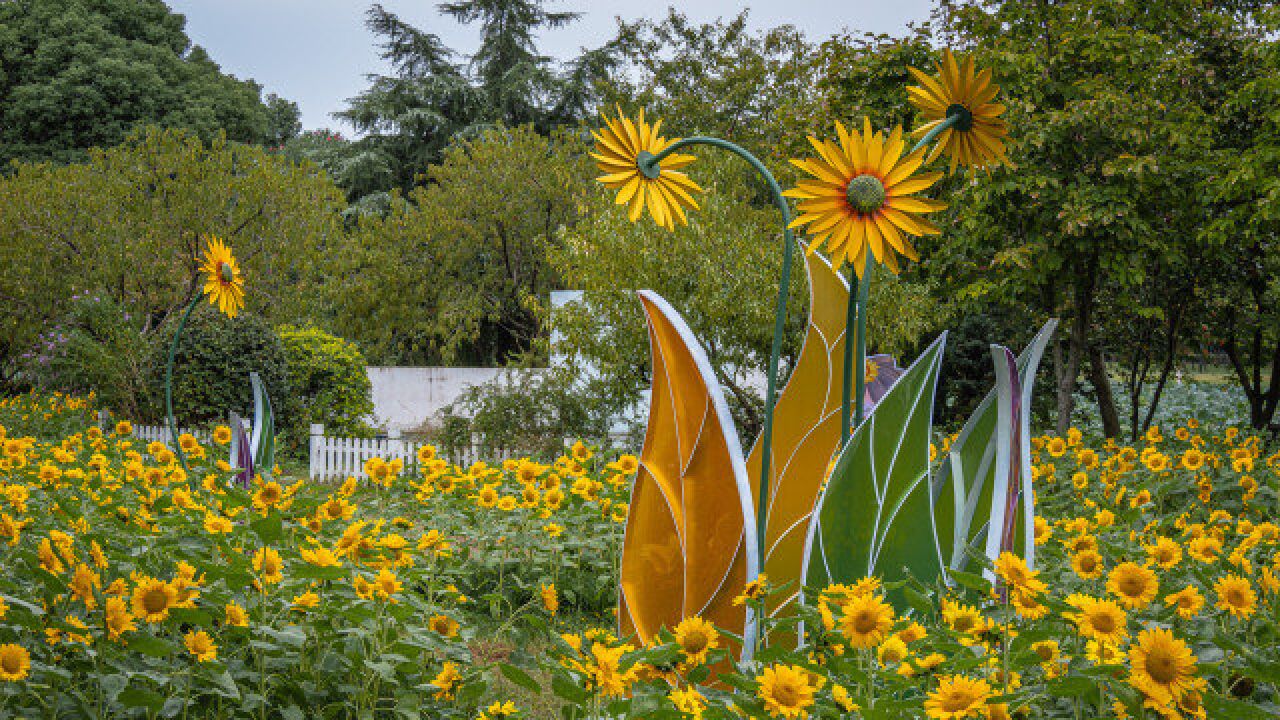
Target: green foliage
x: 410, y: 118
x: 327, y: 375
x: 524, y: 412
x: 211, y: 368
x: 99, y: 348
x: 1113, y: 110
x: 84, y: 74
x: 457, y: 271
x: 719, y: 78
x: 127, y: 226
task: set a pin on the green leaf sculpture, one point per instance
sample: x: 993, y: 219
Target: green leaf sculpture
x: 873, y: 516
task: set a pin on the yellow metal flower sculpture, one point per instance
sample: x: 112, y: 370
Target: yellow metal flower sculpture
x: 975, y: 139
x: 691, y: 542
x: 860, y: 198
x: 623, y: 153
x: 223, y: 284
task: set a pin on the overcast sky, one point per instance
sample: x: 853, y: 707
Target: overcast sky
x: 317, y: 52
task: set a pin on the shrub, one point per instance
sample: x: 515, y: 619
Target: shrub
x: 523, y: 413
x: 212, y: 366
x: 329, y: 380
x: 98, y: 348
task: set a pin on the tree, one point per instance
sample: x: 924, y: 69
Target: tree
x: 128, y: 225
x: 1108, y: 105
x: 457, y: 270
x: 513, y: 76
x: 1242, y: 262
x: 87, y: 73
x: 718, y: 78
x: 409, y: 118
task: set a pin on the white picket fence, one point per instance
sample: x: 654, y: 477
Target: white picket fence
x: 160, y: 433
x: 342, y: 457
x: 338, y: 458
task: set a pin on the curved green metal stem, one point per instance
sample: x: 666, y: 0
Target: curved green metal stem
x: 948, y: 123
x: 860, y: 361
x: 850, y: 318
x: 648, y: 164
x: 168, y: 385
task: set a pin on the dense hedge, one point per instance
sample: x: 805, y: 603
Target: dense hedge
x: 329, y: 380
x: 212, y: 366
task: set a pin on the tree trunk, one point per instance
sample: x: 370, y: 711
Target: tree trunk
x: 1077, y: 344
x: 1102, y: 391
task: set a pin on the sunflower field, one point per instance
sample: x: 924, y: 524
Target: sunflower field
x: 132, y: 589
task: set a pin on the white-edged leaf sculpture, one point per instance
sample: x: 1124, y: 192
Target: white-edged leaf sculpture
x: 873, y: 515
x: 987, y: 472
x: 241, y: 459
x: 690, y: 542
x: 263, y: 444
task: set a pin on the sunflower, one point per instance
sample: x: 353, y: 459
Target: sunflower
x: 1205, y: 549
x: 447, y: 681
x: 236, y: 615
x: 1165, y: 552
x: 443, y: 625
x: 15, y: 662
x: 1188, y: 601
x: 267, y: 561
x: 550, y: 599
x: 623, y: 150
x: 976, y: 137
x: 201, y: 646
x: 865, y: 620
x: 1161, y: 666
x: 958, y: 697
x: 1101, y: 620
x: 118, y: 619
x: 1133, y: 585
x: 786, y: 691
x: 860, y: 197
x: 1236, y: 596
x: 697, y: 637
x: 152, y: 600
x: 223, y: 284
x: 1087, y: 564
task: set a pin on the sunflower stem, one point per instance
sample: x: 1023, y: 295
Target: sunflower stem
x: 648, y: 164
x: 168, y: 385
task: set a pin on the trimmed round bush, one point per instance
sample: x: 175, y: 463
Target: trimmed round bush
x: 212, y: 366
x: 329, y: 380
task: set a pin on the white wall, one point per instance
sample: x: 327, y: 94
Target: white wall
x: 404, y: 398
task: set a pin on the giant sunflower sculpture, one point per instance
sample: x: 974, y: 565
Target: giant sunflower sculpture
x: 624, y: 152
x: 958, y: 90
x: 859, y: 197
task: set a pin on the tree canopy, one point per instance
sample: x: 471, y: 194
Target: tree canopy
x: 80, y: 74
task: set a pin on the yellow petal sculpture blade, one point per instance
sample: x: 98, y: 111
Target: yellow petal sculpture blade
x: 806, y: 430
x: 690, y: 542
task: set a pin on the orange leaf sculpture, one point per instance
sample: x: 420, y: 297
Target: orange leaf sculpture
x: 806, y: 432
x: 690, y: 541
